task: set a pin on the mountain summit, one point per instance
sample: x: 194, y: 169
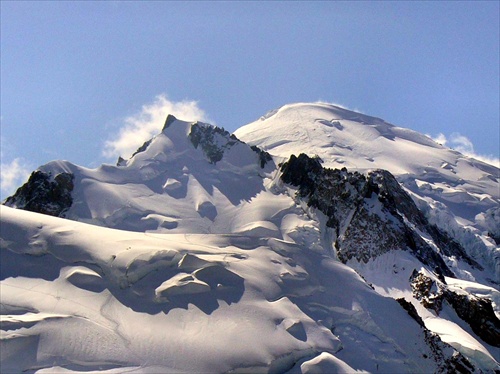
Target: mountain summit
x: 315, y: 239
x: 457, y: 193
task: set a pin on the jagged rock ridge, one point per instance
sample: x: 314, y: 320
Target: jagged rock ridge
x: 44, y: 194
x: 477, y: 312
x: 370, y: 215
x: 212, y: 140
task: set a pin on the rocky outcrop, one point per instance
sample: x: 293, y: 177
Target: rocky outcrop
x: 427, y: 291
x: 477, y: 312
x: 448, y: 359
x: 264, y: 157
x: 370, y: 214
x: 43, y: 194
x: 212, y: 140
x: 143, y: 147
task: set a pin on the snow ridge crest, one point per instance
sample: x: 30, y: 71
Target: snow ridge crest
x: 292, y: 263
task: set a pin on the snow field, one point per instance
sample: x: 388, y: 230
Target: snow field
x: 109, y: 305
x: 193, y: 266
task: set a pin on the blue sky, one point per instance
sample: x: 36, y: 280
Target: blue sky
x: 77, y: 78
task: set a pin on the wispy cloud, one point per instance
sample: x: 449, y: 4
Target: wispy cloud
x: 12, y: 175
x: 148, y: 122
x: 464, y: 145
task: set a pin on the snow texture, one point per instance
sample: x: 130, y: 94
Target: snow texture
x: 204, y: 253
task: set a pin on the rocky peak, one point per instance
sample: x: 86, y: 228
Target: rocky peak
x: 212, y: 140
x: 168, y: 121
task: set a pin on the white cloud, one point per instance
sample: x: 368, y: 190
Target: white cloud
x: 148, y: 122
x: 13, y: 175
x: 461, y: 143
x: 440, y: 138
x: 464, y: 145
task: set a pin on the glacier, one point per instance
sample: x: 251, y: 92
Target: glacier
x: 201, y: 254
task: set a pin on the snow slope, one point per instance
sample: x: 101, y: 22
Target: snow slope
x: 195, y: 256
x: 84, y: 297
x: 457, y: 193
x: 168, y: 186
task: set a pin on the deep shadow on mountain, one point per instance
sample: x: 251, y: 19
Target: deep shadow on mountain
x: 45, y: 267
x: 140, y: 296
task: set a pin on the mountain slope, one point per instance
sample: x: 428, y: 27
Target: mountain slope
x: 184, y: 179
x: 202, y: 253
x: 457, y: 193
x: 94, y: 298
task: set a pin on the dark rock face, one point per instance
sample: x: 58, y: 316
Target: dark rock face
x: 121, y: 161
x: 449, y: 360
x: 495, y: 237
x: 264, y: 157
x: 371, y: 214
x: 412, y: 312
x: 43, y: 195
x: 302, y: 171
x: 143, y: 147
x: 168, y: 121
x: 212, y: 140
x: 426, y: 291
x: 477, y: 312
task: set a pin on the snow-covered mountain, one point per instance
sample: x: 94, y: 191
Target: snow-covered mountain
x: 315, y: 239
x: 459, y: 194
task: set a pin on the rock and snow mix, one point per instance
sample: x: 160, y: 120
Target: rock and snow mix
x: 212, y: 252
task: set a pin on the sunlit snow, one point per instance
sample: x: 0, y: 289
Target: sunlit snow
x: 173, y: 263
